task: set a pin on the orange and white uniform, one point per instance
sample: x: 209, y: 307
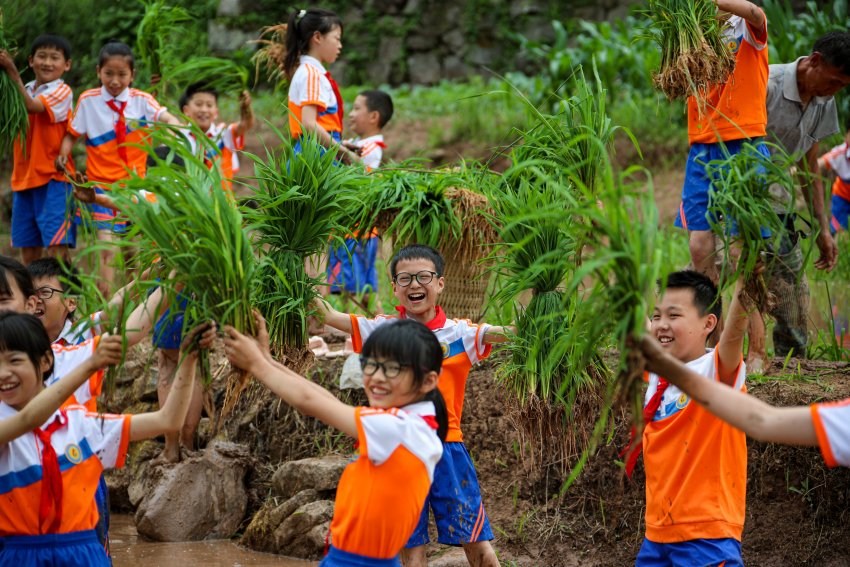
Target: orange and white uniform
x: 311, y: 86
x: 76, y: 332
x: 85, y: 444
x: 736, y: 109
x: 94, y: 119
x: 34, y: 162
x: 837, y: 160
x: 68, y: 357
x: 463, y: 347
x: 832, y: 425
x: 228, y: 142
x: 371, y: 150
x: 696, y: 465
x: 381, y: 494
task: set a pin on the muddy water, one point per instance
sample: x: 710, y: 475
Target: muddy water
x: 130, y: 549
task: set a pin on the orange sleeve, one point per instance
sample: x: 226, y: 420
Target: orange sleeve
x: 356, y: 339
x: 823, y: 438
x: 125, y: 442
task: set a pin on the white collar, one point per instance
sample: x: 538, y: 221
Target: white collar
x: 32, y: 89
x: 309, y: 60
x: 421, y: 409
x: 123, y: 97
x: 375, y: 138
x: 789, y: 85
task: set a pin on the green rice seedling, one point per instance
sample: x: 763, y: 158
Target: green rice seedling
x: 694, y: 55
x: 223, y: 75
x: 155, y: 32
x: 746, y: 215
x: 14, y: 120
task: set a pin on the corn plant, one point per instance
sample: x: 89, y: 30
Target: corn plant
x: 155, y: 31
x: 694, y: 54
x: 14, y: 120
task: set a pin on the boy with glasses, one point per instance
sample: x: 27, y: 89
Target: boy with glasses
x: 455, y: 498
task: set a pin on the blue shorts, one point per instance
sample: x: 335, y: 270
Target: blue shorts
x: 335, y: 136
x: 101, y: 498
x: 168, y: 331
x: 44, y: 216
x: 455, y: 499
x: 339, y: 558
x: 54, y: 550
x: 104, y: 218
x: 840, y: 214
x: 696, y: 192
x: 355, y: 273
x: 693, y: 553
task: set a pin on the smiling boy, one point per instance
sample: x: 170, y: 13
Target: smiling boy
x: 455, y: 497
x: 696, y: 464
x: 43, y: 206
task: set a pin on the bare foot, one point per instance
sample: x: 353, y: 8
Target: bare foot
x: 168, y: 456
x: 318, y: 346
x: 756, y: 365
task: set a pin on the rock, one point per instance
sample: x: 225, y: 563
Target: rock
x: 424, y: 68
x: 451, y: 557
x: 199, y: 498
x: 121, y: 482
x: 316, y: 473
x: 454, y: 68
x: 260, y: 532
x: 390, y: 49
x: 303, y: 533
x: 421, y: 42
x: 455, y: 40
x: 229, y: 8
x: 222, y: 39
x: 144, y: 388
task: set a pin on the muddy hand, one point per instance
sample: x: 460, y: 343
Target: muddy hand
x: 108, y: 352
x: 242, y: 351
x: 201, y: 337
x: 61, y: 162
x: 651, y: 350
x: 262, y: 335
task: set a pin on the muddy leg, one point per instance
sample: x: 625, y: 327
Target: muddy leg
x: 480, y: 554
x: 414, y: 557
x: 167, y: 364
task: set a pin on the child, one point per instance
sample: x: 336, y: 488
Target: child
x: 313, y: 40
x: 696, y: 465
x: 837, y: 160
x: 455, y: 498
x: 16, y: 290
x: 47, y: 517
x: 352, y: 267
x: 381, y: 494
x: 42, y: 211
x: 200, y: 105
x: 825, y: 425
x: 57, y: 305
x: 114, y: 119
x: 733, y: 114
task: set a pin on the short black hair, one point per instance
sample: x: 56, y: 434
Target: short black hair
x: 54, y: 41
x: 412, y: 344
x: 19, y: 272
x: 706, y: 296
x: 163, y: 153
x: 115, y: 48
x: 418, y: 252
x: 834, y: 47
x: 194, y: 89
x: 25, y: 333
x: 50, y: 267
x: 380, y: 102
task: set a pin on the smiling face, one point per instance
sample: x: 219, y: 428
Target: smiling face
x: 326, y: 46
x: 20, y: 380
x: 54, y: 310
x: 419, y: 300
x: 202, y: 109
x: 363, y: 121
x: 116, y: 74
x: 679, y: 326
x: 48, y: 64
x: 16, y: 301
x: 395, y: 392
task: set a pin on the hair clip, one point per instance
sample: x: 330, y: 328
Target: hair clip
x: 302, y: 13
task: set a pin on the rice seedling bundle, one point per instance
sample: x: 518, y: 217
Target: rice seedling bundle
x: 746, y: 215
x: 304, y: 202
x: 14, y: 120
x: 156, y: 29
x: 223, y: 75
x: 694, y: 54
x: 271, y: 53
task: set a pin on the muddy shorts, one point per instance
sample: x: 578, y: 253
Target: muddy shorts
x: 44, y: 216
x: 352, y: 266
x: 57, y: 550
x: 840, y: 214
x: 724, y: 552
x: 339, y: 558
x: 455, y: 500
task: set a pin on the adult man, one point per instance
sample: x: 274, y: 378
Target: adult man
x: 800, y: 113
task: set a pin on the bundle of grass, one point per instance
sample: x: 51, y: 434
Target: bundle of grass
x: 271, y: 53
x: 14, y: 120
x: 155, y: 32
x: 748, y: 217
x: 694, y: 54
x: 194, y: 229
x: 304, y: 202
x: 223, y: 75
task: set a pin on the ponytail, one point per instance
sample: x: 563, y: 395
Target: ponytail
x: 441, y: 414
x: 300, y: 28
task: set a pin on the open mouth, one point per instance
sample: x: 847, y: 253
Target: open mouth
x: 9, y: 386
x: 378, y: 392
x: 416, y: 297
x: 39, y: 313
x: 665, y: 340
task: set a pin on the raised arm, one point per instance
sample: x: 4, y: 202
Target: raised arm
x: 170, y: 417
x: 34, y: 105
x: 43, y: 405
x: 246, y: 114
x: 303, y: 395
x: 791, y: 426
x: 337, y: 320
x: 496, y: 335
x: 747, y: 10
x: 730, y: 348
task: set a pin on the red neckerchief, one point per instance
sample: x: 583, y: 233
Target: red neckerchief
x: 633, y: 449
x: 380, y: 144
x: 51, y: 481
x: 339, y: 111
x: 120, y: 127
x: 438, y: 322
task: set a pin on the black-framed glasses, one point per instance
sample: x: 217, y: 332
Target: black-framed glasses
x: 424, y: 278
x: 46, y: 292
x: 391, y: 369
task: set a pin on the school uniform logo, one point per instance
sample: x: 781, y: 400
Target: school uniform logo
x: 73, y: 454
x: 682, y: 401
x: 734, y: 43
x: 445, y: 348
